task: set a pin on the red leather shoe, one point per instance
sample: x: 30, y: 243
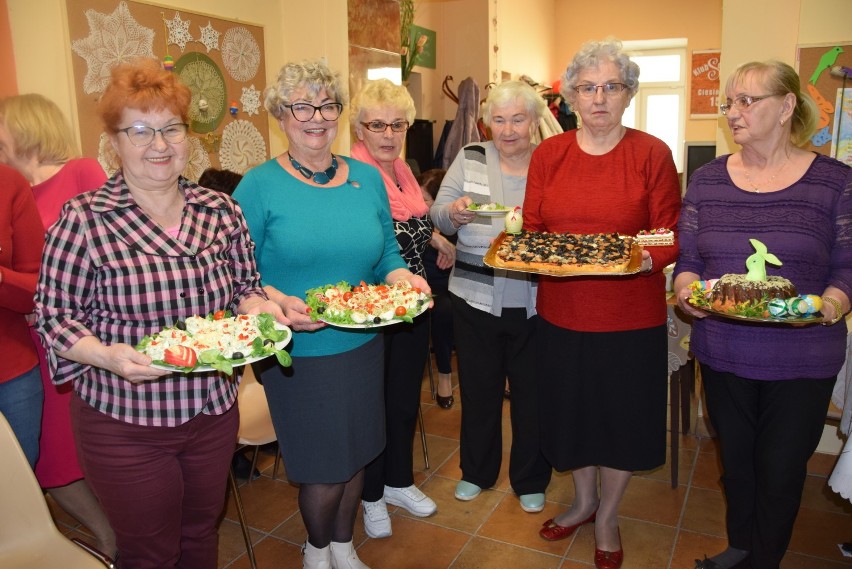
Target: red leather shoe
x: 609, y: 559
x: 551, y: 531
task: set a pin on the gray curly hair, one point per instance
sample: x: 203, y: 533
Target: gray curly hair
x: 312, y: 75
x: 591, y: 54
x: 510, y: 91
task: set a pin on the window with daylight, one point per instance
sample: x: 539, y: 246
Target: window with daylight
x: 659, y: 107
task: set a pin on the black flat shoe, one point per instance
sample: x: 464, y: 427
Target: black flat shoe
x: 444, y: 402
x: 705, y: 564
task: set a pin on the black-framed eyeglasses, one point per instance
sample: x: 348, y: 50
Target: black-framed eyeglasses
x: 609, y: 89
x: 303, y: 112
x: 381, y: 127
x: 141, y: 135
x: 741, y: 103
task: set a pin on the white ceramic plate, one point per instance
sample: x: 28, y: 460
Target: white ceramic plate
x: 367, y: 325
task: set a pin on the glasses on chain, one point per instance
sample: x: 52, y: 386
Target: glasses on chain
x: 141, y: 135
x: 609, y: 89
x: 741, y: 103
x: 381, y: 127
x: 303, y: 112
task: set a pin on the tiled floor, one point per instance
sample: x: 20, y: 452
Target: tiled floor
x: 661, y: 527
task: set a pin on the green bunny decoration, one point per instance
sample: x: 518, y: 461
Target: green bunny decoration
x: 756, y: 263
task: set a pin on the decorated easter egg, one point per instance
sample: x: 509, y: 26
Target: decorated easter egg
x: 813, y: 301
x: 796, y: 306
x: 168, y: 63
x: 777, y: 307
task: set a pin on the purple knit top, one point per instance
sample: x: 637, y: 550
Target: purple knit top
x: 808, y: 226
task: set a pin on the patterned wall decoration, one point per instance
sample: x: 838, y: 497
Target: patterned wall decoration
x: 222, y: 62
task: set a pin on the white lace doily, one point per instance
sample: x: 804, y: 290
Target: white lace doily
x: 251, y: 100
x: 242, y: 147
x: 107, y: 157
x: 179, y: 31
x: 113, y: 39
x: 205, y: 80
x: 209, y: 37
x: 198, y: 160
x: 240, y: 54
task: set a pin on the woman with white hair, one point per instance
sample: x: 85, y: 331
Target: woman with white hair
x: 494, y: 313
x: 601, y: 341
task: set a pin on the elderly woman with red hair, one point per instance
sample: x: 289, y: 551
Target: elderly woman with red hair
x: 146, y: 249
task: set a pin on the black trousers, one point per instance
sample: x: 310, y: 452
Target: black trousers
x: 406, y: 349
x: 490, y: 349
x: 767, y: 432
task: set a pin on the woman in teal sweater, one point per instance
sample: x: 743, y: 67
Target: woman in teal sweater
x: 316, y: 219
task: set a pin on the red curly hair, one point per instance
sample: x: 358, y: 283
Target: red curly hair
x: 144, y: 85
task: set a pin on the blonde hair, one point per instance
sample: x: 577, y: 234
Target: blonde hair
x: 38, y: 129
x: 311, y: 75
x: 381, y: 93
x: 780, y: 79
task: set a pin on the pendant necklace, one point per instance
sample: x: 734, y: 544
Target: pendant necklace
x: 754, y: 186
x: 321, y: 178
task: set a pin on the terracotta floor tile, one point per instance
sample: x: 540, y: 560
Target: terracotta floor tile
x: 483, y: 553
x: 561, y: 489
x: 704, y: 512
x: 818, y: 495
x: 653, y: 500
x: 231, y: 542
x: 685, y: 459
x: 271, y: 552
x: 691, y: 546
x: 818, y: 533
x: 455, y: 514
x: 798, y: 561
x: 646, y: 545
x: 821, y: 464
x: 708, y: 471
x: 510, y: 524
x: 266, y: 502
x: 414, y: 545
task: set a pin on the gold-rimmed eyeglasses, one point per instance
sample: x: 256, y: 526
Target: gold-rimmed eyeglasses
x: 381, y: 127
x: 741, y: 103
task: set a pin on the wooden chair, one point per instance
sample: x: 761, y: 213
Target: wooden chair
x: 28, y: 537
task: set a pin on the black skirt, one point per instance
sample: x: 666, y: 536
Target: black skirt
x: 602, y: 397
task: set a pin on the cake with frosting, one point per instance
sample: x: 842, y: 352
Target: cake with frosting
x: 734, y: 290
x: 655, y: 237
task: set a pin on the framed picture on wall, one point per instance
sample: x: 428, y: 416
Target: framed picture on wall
x: 704, y: 85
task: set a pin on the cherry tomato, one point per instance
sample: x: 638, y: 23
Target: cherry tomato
x: 218, y: 315
x: 381, y: 288
x: 357, y: 289
x: 417, y: 290
x: 180, y: 356
x: 401, y: 311
x: 347, y: 296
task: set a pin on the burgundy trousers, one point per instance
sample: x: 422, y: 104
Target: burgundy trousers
x: 162, y: 488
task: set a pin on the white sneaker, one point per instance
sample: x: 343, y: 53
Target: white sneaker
x: 377, y: 522
x: 343, y: 556
x: 412, y: 499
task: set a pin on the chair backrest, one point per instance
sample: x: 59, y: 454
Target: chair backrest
x: 255, y: 421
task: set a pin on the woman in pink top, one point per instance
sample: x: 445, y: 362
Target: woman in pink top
x: 36, y: 140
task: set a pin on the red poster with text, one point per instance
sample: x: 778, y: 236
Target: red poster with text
x: 704, y: 94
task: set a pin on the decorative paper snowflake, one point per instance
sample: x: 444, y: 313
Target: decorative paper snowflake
x: 107, y: 157
x: 242, y: 147
x: 240, y: 54
x: 113, y: 39
x: 251, y: 100
x: 179, y: 31
x: 209, y: 37
x: 198, y: 160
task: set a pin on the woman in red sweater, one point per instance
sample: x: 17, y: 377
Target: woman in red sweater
x: 21, y: 241
x: 602, y: 340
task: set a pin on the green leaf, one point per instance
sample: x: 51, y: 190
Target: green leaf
x: 283, y: 358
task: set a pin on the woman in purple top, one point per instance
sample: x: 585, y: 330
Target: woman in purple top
x: 767, y: 385
x: 146, y: 249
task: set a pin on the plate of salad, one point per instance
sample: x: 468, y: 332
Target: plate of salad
x: 366, y: 306
x: 217, y: 342
x: 489, y: 209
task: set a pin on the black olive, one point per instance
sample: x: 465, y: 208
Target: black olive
x: 237, y: 356
x: 377, y: 320
x: 419, y: 302
x: 268, y: 342
x: 180, y: 325
x: 320, y: 309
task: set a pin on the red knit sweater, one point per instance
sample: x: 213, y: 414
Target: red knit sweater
x: 632, y: 187
x: 21, y: 242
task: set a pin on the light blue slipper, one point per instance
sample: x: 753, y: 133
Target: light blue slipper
x: 466, y: 491
x: 532, y: 503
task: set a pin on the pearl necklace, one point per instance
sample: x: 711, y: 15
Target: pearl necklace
x: 766, y: 183
x: 321, y: 178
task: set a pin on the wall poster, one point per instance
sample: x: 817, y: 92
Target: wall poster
x: 221, y: 61
x: 704, y: 93
x: 824, y: 72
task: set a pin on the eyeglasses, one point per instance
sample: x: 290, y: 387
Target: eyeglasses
x: 741, y: 103
x: 141, y: 135
x: 379, y: 126
x: 303, y: 112
x: 609, y: 89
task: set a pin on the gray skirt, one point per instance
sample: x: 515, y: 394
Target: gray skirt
x: 328, y: 412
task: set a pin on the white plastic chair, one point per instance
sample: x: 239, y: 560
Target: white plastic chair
x: 28, y: 537
x: 256, y: 429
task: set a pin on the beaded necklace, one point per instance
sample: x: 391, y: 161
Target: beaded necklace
x: 321, y: 178
x: 754, y: 186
